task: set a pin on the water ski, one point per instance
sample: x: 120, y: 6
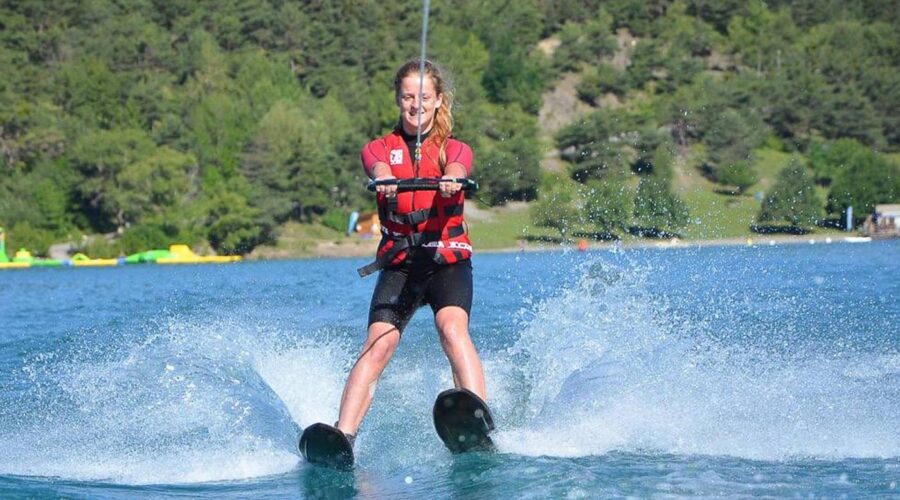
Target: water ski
x: 326, y: 445
x: 463, y: 421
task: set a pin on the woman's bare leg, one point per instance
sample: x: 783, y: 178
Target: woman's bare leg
x: 380, y: 344
x: 453, y: 326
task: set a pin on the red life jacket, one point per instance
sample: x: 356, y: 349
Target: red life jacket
x: 418, y: 218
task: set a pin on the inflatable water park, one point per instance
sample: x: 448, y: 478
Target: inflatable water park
x: 175, y: 254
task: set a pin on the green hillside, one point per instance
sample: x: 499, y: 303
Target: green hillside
x: 236, y: 125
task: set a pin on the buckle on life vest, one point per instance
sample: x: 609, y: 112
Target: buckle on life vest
x: 420, y: 216
x: 412, y: 218
x: 406, y: 242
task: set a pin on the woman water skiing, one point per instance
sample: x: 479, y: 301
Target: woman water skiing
x: 424, y: 254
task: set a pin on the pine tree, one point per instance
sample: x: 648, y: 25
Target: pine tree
x: 793, y: 199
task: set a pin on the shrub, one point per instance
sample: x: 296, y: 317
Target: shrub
x: 793, y: 199
x: 867, y: 179
x: 656, y: 207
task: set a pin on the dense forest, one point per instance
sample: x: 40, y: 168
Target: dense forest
x: 218, y: 121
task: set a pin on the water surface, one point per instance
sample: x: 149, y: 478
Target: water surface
x: 721, y: 371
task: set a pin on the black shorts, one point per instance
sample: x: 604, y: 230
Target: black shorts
x: 403, y: 288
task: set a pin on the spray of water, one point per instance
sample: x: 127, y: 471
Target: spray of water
x: 606, y: 366
x: 177, y: 402
x: 602, y: 364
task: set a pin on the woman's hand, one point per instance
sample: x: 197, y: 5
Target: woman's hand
x: 389, y: 190
x: 448, y: 189
x: 382, y: 172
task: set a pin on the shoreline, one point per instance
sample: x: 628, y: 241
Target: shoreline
x: 367, y: 248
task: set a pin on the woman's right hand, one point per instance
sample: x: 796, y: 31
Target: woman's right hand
x: 389, y: 190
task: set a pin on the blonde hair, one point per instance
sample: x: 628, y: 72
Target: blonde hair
x: 443, y: 116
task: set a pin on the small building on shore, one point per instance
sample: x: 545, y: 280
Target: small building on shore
x: 884, y: 222
x: 368, y: 225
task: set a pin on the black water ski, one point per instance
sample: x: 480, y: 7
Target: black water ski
x: 326, y: 445
x: 463, y: 421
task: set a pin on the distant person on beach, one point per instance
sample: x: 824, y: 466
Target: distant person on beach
x: 424, y: 254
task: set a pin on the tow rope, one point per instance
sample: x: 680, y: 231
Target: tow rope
x: 426, y: 9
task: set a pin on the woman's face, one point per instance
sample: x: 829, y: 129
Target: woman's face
x: 410, y: 107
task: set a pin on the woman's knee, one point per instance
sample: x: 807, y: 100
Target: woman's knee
x: 452, y: 325
x: 381, y: 343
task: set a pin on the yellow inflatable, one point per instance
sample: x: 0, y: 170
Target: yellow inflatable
x: 14, y: 265
x: 182, y: 254
x: 82, y: 260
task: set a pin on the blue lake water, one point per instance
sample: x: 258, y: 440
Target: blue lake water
x: 720, y: 371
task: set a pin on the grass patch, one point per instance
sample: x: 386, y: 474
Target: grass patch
x: 716, y: 215
x: 768, y: 164
x: 503, y: 227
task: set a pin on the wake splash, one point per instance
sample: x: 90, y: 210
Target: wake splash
x: 182, y: 402
x: 606, y: 366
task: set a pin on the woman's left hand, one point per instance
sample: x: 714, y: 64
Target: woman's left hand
x: 448, y: 189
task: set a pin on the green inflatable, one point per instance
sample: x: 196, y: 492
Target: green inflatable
x: 148, y: 256
x: 3, y: 257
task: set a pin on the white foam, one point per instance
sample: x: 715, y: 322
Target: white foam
x: 308, y: 378
x: 605, y: 368
x: 181, y: 404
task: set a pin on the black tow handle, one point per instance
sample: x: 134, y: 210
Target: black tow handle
x: 422, y: 184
